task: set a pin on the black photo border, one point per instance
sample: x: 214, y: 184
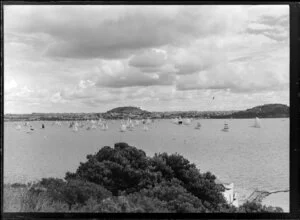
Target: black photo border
x: 294, y: 119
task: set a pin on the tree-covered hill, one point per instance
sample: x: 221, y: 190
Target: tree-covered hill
x: 127, y: 110
x: 262, y: 111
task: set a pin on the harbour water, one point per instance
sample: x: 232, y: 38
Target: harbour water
x: 252, y: 158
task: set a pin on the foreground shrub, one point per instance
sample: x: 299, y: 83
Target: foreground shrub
x: 253, y: 207
x: 126, y: 169
x: 123, y: 168
x: 172, y: 197
x: 73, y: 191
x: 25, y: 200
x: 200, y: 185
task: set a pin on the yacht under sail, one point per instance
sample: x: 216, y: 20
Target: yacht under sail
x: 104, y: 127
x: 18, y: 127
x: 145, y: 128
x: 187, y: 121
x: 75, y: 128
x: 123, y: 128
x: 198, y: 126
x: 257, y: 123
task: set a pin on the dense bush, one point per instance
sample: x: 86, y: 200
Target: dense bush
x: 73, y: 191
x: 250, y: 207
x: 123, y: 168
x: 173, y: 197
x: 126, y: 169
x: 200, y: 185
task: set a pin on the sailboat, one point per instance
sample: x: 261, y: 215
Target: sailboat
x: 145, y: 128
x: 104, y: 127
x: 30, y: 130
x: 123, y: 128
x: 75, y: 129
x: 175, y: 120
x: 18, y: 127
x: 187, y: 121
x: 180, y: 121
x: 257, y: 123
x: 130, y: 125
x: 198, y: 126
x: 226, y: 128
x: 148, y: 121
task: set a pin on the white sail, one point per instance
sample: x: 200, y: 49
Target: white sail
x: 187, y: 121
x: 257, y: 123
x: 145, y: 128
x: 18, y: 127
x: 104, y: 127
x: 123, y: 128
x: 175, y: 120
x: 75, y: 128
x: 148, y: 121
x: 198, y: 126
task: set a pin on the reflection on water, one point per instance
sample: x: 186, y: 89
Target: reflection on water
x: 251, y: 158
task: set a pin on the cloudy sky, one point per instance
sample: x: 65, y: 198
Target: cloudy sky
x: 94, y: 58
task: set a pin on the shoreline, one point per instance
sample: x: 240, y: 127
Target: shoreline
x: 116, y: 119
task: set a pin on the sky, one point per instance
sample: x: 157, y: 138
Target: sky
x: 160, y: 58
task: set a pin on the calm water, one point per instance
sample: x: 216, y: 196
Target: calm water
x: 251, y: 158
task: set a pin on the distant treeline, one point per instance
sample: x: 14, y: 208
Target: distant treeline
x: 263, y: 111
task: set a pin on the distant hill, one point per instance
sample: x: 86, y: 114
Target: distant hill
x: 264, y: 111
x: 127, y: 110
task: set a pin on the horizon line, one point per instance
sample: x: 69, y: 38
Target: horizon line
x: 141, y: 109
